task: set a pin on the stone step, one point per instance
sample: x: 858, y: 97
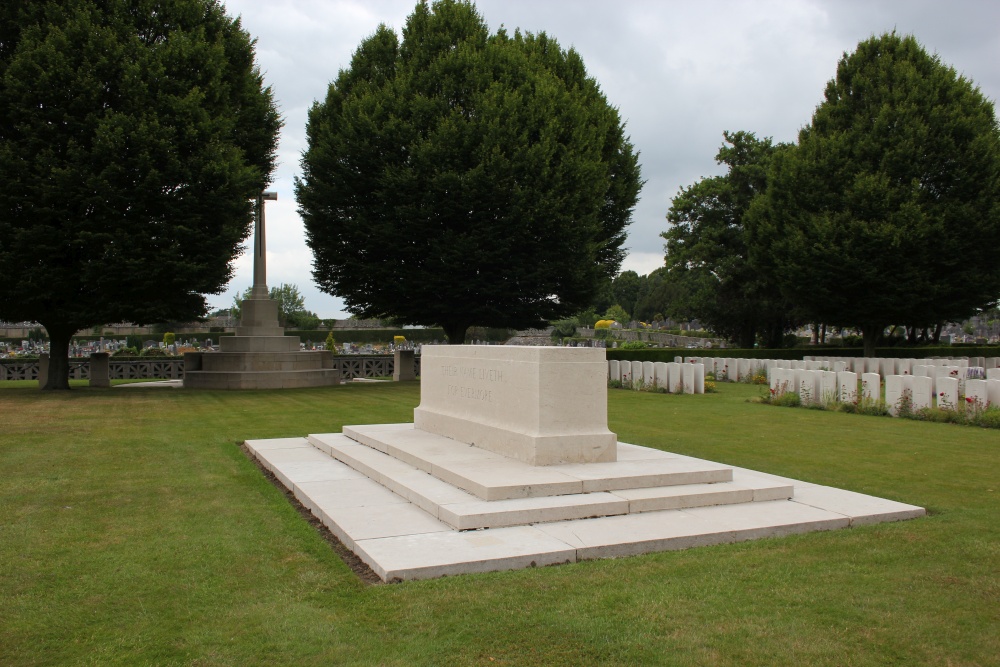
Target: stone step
x: 400, y: 540
x: 464, y: 511
x: 491, y: 476
x: 261, y: 379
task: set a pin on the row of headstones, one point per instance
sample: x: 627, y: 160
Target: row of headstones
x: 886, y: 366
x: 675, y: 377
x: 734, y: 370
x: 923, y: 391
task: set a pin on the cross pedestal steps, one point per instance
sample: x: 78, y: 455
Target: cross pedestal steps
x: 413, y: 505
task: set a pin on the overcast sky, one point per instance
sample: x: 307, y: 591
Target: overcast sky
x: 680, y: 72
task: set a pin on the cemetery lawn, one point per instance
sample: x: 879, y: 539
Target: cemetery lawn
x: 134, y: 530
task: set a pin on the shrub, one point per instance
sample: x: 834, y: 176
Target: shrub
x: 169, y: 338
x: 633, y: 345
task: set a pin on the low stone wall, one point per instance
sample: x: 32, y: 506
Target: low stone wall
x: 172, y: 368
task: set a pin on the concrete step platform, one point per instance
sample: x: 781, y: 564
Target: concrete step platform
x: 464, y: 511
x: 491, y: 476
x: 400, y: 540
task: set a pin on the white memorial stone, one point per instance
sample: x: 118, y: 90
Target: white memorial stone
x: 637, y: 374
x: 660, y: 371
x: 947, y: 392
x: 648, y: 374
x: 993, y: 392
x: 923, y: 391
x: 828, y: 387
x: 699, y: 378
x: 976, y: 394
x: 512, y: 400
x: 614, y: 370
x: 687, y: 378
x: 839, y: 366
x: 848, y: 381
x: 871, y: 386
x: 808, y: 385
x: 993, y: 373
x: 674, y: 385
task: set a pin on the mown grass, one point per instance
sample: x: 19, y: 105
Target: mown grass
x: 135, y: 531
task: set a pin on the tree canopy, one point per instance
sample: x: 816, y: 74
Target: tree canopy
x: 888, y: 210
x: 707, y: 265
x: 131, y: 142
x: 461, y: 178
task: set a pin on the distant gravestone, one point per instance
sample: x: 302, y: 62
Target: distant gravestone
x: 100, y: 370
x: 403, y: 366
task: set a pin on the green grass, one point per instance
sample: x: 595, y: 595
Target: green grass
x: 133, y: 530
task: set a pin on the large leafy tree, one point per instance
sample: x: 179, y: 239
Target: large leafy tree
x: 888, y: 211
x: 463, y: 178
x: 132, y: 136
x: 707, y: 255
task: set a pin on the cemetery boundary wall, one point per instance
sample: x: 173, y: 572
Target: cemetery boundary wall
x: 172, y: 368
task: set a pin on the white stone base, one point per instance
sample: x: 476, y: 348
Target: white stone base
x: 414, y: 505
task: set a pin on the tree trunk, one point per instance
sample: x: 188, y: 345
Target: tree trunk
x: 822, y: 334
x: 937, y: 333
x: 911, y: 335
x: 748, y: 335
x: 59, y: 337
x: 871, y: 334
x: 455, y: 332
x: 815, y: 333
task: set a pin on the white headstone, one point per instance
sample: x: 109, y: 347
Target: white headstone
x: 674, y: 385
x: 660, y: 370
x: 829, y: 390
x: 871, y: 386
x: 648, y: 374
x: 848, y: 381
x: 947, y: 392
x: 923, y: 391
x: 687, y: 378
x: 976, y: 394
x: 614, y: 370
x: 637, y: 373
x: 993, y: 373
x: 839, y: 366
x: 893, y: 393
x: 699, y: 378
x: 808, y: 383
x: 993, y: 392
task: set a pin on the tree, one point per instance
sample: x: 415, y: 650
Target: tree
x: 707, y: 248
x: 886, y: 212
x: 626, y: 288
x: 460, y: 178
x: 131, y: 142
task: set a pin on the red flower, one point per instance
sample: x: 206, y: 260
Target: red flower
x: 941, y: 394
x: 968, y: 399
